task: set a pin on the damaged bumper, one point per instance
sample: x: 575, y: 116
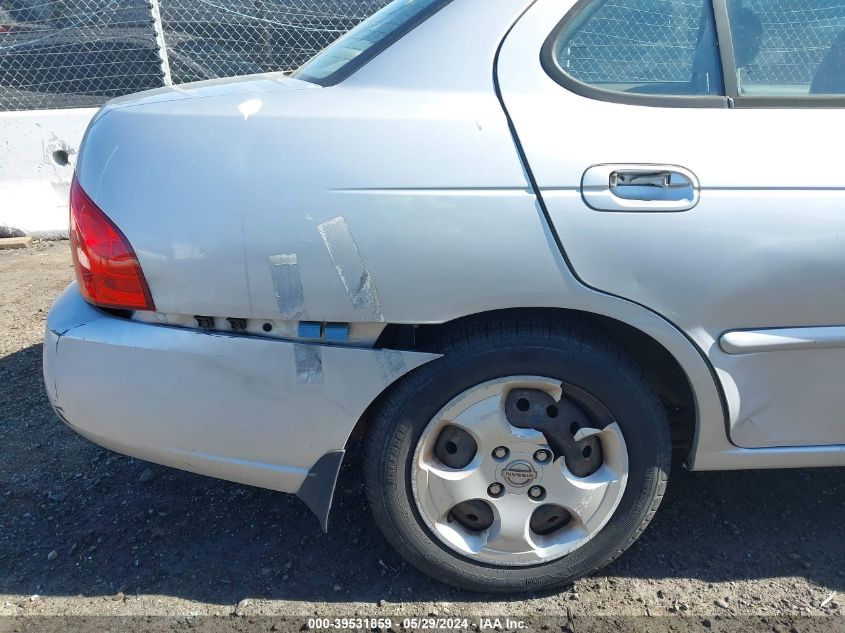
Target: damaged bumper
x: 270, y: 413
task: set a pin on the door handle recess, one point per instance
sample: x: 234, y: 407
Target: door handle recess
x: 640, y: 188
x: 641, y: 179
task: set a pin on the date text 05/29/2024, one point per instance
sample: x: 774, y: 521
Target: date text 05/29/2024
x: 416, y: 624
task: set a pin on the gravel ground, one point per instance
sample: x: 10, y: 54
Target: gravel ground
x: 87, y: 532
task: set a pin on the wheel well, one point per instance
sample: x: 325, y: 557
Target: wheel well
x: 663, y: 371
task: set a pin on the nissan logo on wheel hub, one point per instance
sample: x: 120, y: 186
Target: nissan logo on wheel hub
x: 519, y: 473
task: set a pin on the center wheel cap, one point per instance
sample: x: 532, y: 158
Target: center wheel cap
x: 519, y: 473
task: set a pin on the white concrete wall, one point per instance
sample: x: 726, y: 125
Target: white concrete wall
x: 33, y: 183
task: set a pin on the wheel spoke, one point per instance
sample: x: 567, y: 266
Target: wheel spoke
x: 583, y: 497
x: 510, y: 532
x: 486, y: 421
x: 482, y: 413
x: 444, y: 489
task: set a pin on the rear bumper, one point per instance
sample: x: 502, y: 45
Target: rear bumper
x: 248, y: 409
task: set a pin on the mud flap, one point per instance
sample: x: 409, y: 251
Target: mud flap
x: 317, y: 491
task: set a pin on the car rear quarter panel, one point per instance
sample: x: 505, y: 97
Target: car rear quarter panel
x: 210, y: 182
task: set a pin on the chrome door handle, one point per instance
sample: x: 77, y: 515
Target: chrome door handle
x: 640, y: 188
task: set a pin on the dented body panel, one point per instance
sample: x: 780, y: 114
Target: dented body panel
x: 243, y: 408
x: 219, y: 185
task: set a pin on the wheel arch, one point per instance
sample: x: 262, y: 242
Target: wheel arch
x: 676, y: 368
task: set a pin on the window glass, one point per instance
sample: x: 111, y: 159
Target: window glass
x: 660, y: 47
x: 351, y: 51
x: 789, y: 48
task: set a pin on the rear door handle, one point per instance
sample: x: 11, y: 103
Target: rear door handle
x: 640, y: 188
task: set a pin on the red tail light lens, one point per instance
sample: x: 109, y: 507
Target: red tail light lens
x: 107, y: 269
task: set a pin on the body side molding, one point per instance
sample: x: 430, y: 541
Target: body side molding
x: 782, y: 339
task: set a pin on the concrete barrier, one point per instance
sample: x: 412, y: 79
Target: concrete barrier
x: 38, y: 150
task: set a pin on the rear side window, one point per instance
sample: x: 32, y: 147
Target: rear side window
x: 789, y: 48
x: 354, y: 49
x: 646, y: 47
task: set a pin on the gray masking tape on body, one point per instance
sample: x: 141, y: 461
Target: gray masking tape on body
x: 284, y: 269
x: 351, y: 268
x: 309, y: 363
x: 392, y: 363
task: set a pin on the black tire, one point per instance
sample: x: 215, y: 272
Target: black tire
x: 485, y: 350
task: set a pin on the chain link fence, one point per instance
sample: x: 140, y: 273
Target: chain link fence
x: 79, y: 53
x: 236, y: 37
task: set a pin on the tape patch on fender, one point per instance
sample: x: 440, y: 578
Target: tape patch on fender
x: 309, y: 364
x: 351, y: 268
x: 392, y: 363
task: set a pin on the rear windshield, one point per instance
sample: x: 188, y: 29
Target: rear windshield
x: 354, y: 49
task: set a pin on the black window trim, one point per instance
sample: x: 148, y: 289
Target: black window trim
x: 550, y: 64
x: 371, y: 53
x: 724, y: 42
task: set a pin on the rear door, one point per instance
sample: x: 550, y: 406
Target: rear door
x: 689, y: 158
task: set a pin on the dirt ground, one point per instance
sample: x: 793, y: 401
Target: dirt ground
x: 87, y: 532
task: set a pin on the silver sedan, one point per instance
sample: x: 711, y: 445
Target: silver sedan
x: 527, y: 249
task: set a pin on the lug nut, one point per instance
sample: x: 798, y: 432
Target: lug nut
x: 501, y: 452
x: 536, y: 492
x: 542, y: 456
x: 495, y: 489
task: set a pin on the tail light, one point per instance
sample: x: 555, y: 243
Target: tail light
x: 107, y: 269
